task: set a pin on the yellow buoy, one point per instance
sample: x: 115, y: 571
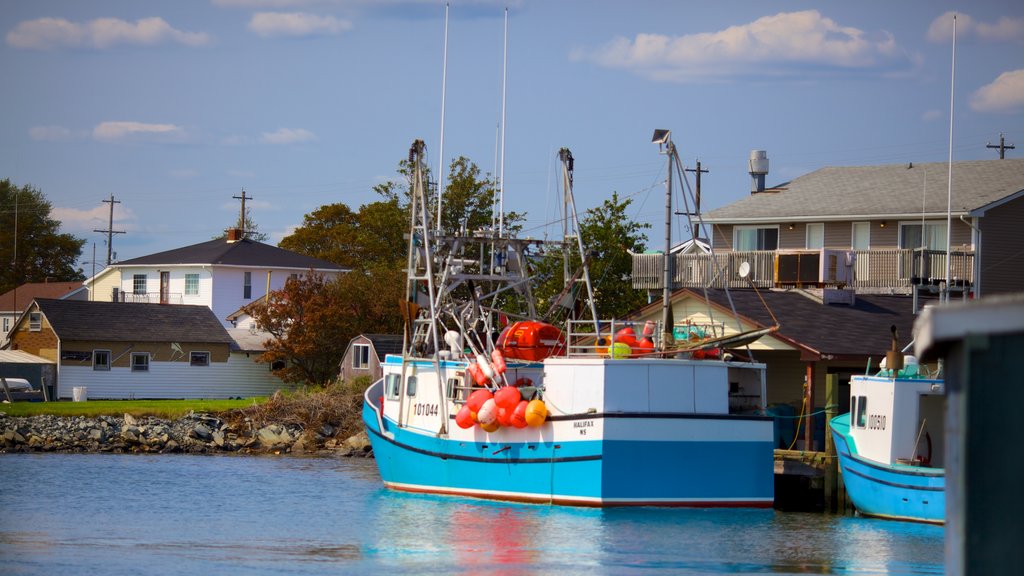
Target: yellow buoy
x: 621, y: 350
x: 536, y: 413
x: 492, y: 427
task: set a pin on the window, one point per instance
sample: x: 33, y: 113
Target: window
x: 139, y: 283
x: 361, y: 356
x: 35, y: 321
x: 247, y: 285
x: 861, y: 236
x: 7, y: 325
x: 453, y: 390
x: 410, y: 386
x: 754, y: 238
x: 934, y: 236
x: 391, y: 385
x: 140, y: 361
x: 191, y: 284
x: 862, y: 411
x: 198, y: 358
x: 277, y: 365
x: 815, y: 236
x: 101, y: 359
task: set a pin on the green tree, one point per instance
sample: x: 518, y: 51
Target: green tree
x: 252, y: 230
x: 39, y: 252
x: 357, y: 240
x: 312, y: 319
x: 608, y: 235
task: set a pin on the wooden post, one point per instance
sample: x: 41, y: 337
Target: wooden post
x: 809, y: 418
x: 7, y: 390
x: 831, y: 465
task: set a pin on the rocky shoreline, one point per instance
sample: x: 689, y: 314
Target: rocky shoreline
x: 194, y: 433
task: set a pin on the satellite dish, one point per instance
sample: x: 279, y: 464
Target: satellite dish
x: 744, y: 270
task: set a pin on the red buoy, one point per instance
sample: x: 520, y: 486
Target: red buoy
x: 465, y: 417
x: 507, y: 398
x: 518, y: 418
x: 477, y: 399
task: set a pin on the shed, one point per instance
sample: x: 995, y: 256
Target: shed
x: 40, y: 373
x: 365, y: 354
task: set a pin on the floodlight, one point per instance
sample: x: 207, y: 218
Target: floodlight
x: 660, y: 136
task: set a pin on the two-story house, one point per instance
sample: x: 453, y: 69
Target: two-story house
x: 874, y: 228
x: 223, y: 274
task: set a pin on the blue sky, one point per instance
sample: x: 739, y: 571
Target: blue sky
x: 176, y: 106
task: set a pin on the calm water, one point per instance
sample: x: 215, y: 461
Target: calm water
x: 174, y: 514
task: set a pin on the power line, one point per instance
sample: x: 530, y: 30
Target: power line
x: 1002, y: 147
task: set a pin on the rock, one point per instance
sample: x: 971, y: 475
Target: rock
x: 201, y: 432
x: 274, y: 435
x: 218, y: 438
x: 327, y: 430
x: 359, y: 443
x: 98, y: 435
x: 129, y: 420
x: 130, y: 434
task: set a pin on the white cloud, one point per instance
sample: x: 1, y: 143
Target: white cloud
x: 932, y: 115
x: 296, y: 24
x: 137, y: 132
x: 55, y: 33
x: 288, y: 136
x: 786, y: 44
x: 262, y: 3
x: 1004, y: 94
x: 1005, y: 29
x: 74, y: 220
x: 53, y: 134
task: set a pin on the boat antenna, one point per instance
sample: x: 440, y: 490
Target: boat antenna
x: 949, y: 192
x: 501, y: 186
x: 664, y: 138
x: 440, y: 155
x: 572, y: 227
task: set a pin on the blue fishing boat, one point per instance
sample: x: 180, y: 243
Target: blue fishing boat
x: 890, y: 444
x: 588, y: 413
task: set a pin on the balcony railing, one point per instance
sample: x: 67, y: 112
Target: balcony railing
x: 893, y: 269
x: 151, y: 298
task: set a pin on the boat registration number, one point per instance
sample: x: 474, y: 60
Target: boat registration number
x: 876, y: 421
x: 425, y: 409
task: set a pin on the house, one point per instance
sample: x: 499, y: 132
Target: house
x: 365, y: 354
x: 873, y: 228
x: 14, y: 302
x: 117, y: 350
x: 814, y: 339
x: 224, y: 275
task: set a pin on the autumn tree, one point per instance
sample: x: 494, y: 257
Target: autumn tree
x: 608, y: 235
x: 312, y: 319
x: 32, y: 248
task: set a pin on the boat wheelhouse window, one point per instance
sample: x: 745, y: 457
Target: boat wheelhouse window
x: 360, y: 356
x: 410, y: 386
x: 862, y: 411
x: 452, y: 390
x: 391, y: 385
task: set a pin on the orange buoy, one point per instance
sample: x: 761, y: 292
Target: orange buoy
x: 477, y: 399
x: 627, y: 336
x: 504, y: 416
x: 465, y: 417
x: 493, y: 426
x: 507, y: 398
x: 518, y: 418
x: 487, y: 413
x: 498, y: 361
x: 478, y: 375
x: 644, y: 346
x: 536, y: 413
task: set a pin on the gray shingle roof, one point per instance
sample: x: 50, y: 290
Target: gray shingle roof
x: 384, y: 344
x: 240, y: 253
x: 890, y: 190
x: 122, y: 322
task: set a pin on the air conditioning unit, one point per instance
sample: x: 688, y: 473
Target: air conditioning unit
x: 813, y: 268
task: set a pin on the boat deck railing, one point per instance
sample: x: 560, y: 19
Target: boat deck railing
x: 583, y: 341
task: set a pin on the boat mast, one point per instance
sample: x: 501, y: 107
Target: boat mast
x: 572, y: 228
x: 440, y: 155
x: 949, y: 192
x: 501, y: 186
x: 664, y: 137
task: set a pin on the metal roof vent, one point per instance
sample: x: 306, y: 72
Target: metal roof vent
x: 758, y: 170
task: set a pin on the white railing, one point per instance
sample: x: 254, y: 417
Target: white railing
x: 151, y: 298
x: 892, y: 268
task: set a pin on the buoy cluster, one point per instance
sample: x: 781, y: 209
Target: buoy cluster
x: 504, y: 407
x: 626, y: 345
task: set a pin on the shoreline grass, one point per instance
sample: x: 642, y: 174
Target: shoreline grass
x: 167, y: 409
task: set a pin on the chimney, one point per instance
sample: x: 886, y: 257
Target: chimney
x: 758, y: 170
x: 234, y: 235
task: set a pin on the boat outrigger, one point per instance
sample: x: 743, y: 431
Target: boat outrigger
x: 590, y: 413
x: 890, y: 444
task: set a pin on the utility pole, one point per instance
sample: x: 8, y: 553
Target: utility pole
x: 1002, y: 147
x: 110, y: 228
x: 241, y: 215
x: 699, y: 172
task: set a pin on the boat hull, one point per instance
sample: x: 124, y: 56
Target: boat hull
x: 891, y: 491
x: 638, y: 460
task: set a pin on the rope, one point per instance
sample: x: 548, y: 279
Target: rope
x: 796, y: 434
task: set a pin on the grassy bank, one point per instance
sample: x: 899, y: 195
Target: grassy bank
x: 168, y: 409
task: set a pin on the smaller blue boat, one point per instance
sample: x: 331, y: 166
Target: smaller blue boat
x: 890, y: 445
